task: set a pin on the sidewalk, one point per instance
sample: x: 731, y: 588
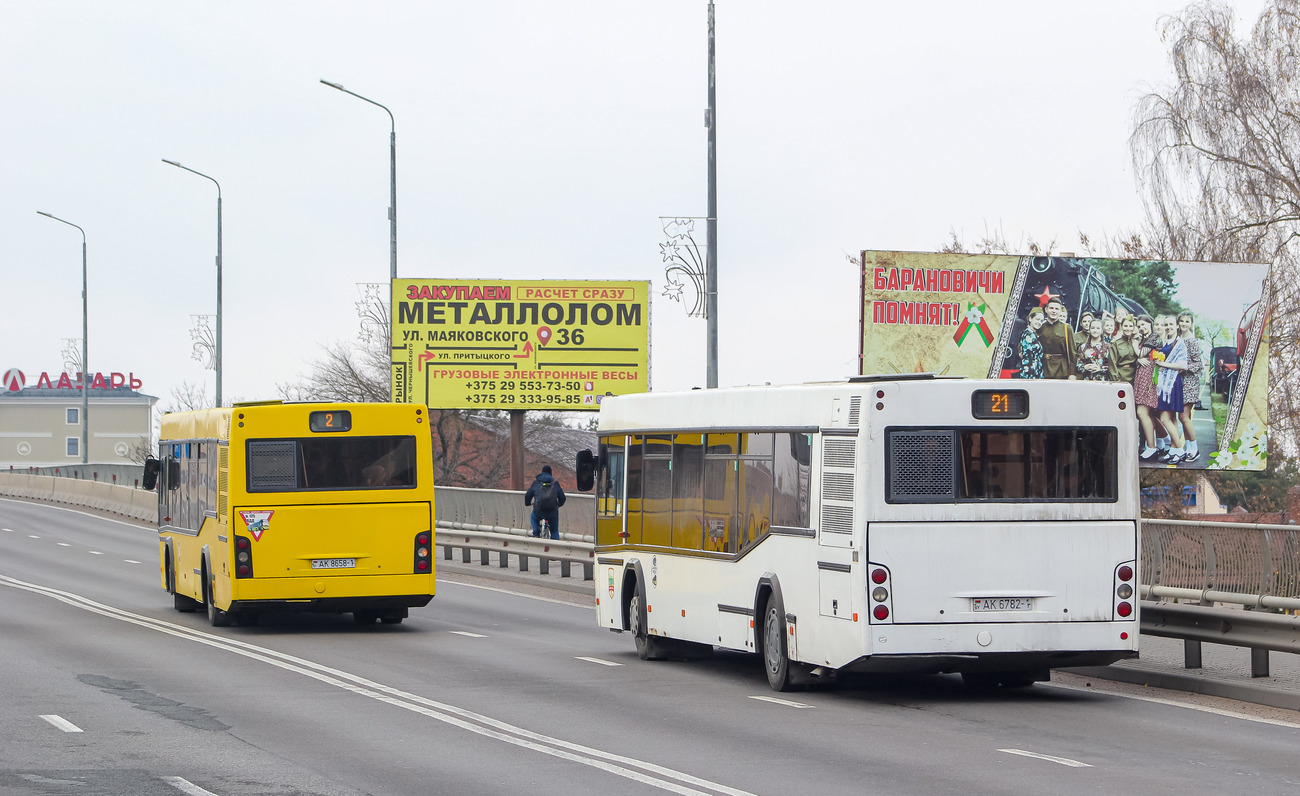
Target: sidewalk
x: 1224, y: 672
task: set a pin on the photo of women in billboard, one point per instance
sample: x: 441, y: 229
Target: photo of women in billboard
x: 1031, y: 348
x: 1182, y: 364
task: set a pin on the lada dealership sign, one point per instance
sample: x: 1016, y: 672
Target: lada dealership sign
x: 15, y: 380
x: 490, y: 344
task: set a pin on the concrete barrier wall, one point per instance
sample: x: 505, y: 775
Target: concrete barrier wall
x: 135, y: 503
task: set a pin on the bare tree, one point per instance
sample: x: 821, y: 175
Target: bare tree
x: 1215, y: 156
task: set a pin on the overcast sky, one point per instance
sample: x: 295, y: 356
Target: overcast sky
x: 535, y: 140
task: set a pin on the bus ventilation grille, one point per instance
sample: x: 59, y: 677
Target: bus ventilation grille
x: 271, y: 465
x: 922, y: 466
x: 855, y: 410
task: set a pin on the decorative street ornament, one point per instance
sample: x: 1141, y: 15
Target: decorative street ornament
x: 685, y: 261
x: 372, y: 309
x: 72, y: 354
x: 205, y: 342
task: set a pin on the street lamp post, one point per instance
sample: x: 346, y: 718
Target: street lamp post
x: 392, y: 179
x: 711, y: 287
x: 217, y: 354
x: 85, y: 325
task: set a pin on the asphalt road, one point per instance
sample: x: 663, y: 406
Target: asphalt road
x: 107, y: 690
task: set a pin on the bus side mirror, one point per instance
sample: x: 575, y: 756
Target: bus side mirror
x: 585, y: 469
x: 150, y: 480
x: 173, y: 473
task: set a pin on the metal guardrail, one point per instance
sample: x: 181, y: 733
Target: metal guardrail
x: 496, y: 521
x: 1226, y: 557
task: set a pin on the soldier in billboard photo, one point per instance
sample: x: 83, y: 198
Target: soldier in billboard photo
x: 1031, y: 348
x: 1121, y: 362
x: 1058, y: 343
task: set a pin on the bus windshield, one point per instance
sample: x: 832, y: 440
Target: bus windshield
x: 293, y: 465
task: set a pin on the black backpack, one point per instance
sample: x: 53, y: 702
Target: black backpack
x: 547, y: 498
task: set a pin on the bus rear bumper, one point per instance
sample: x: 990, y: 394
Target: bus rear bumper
x: 985, y: 647
x: 333, y: 605
x: 986, y: 662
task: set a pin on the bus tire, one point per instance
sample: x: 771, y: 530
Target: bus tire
x: 776, y: 661
x: 648, y: 647
x: 216, y: 616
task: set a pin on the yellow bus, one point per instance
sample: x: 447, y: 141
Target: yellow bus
x: 315, y: 507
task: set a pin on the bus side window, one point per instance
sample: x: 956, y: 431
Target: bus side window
x: 688, y: 505
x: 720, y: 480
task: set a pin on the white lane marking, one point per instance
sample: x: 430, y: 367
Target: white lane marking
x: 96, y: 553
x: 185, y: 786
x: 7, y: 530
x: 130, y: 561
x: 1232, y: 714
x: 32, y: 536
x: 656, y: 776
x: 788, y: 703
x: 139, y: 524
x: 61, y: 723
x: 64, y: 544
x: 467, y: 633
x: 1065, y: 761
x: 595, y: 660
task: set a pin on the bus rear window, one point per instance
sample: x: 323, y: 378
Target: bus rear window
x: 1002, y: 465
x: 293, y: 465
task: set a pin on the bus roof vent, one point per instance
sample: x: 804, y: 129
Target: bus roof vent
x: 922, y: 466
x: 855, y: 410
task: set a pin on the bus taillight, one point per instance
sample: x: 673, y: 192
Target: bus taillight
x: 423, y: 551
x: 1124, y: 589
x: 243, y: 557
x: 880, y: 594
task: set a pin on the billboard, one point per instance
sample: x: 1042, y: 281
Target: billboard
x: 505, y: 344
x: 1192, y: 338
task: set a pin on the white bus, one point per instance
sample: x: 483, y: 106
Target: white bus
x: 883, y: 524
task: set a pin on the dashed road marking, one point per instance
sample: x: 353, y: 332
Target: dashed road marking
x: 96, y: 553
x: 595, y: 660
x: 185, y: 786
x: 64, y: 544
x: 130, y: 561
x: 32, y: 536
x: 61, y: 723
x: 467, y: 633
x: 776, y: 701
x: 1065, y: 761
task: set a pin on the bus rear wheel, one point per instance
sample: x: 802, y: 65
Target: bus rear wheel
x: 216, y: 616
x: 776, y: 661
x: 648, y: 647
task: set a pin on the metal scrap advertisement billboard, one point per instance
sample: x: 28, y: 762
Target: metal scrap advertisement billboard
x: 1192, y: 338
x: 499, y: 344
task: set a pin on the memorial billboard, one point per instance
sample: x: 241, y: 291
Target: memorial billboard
x: 1191, y: 337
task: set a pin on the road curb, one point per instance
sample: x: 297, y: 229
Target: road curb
x: 1242, y: 692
